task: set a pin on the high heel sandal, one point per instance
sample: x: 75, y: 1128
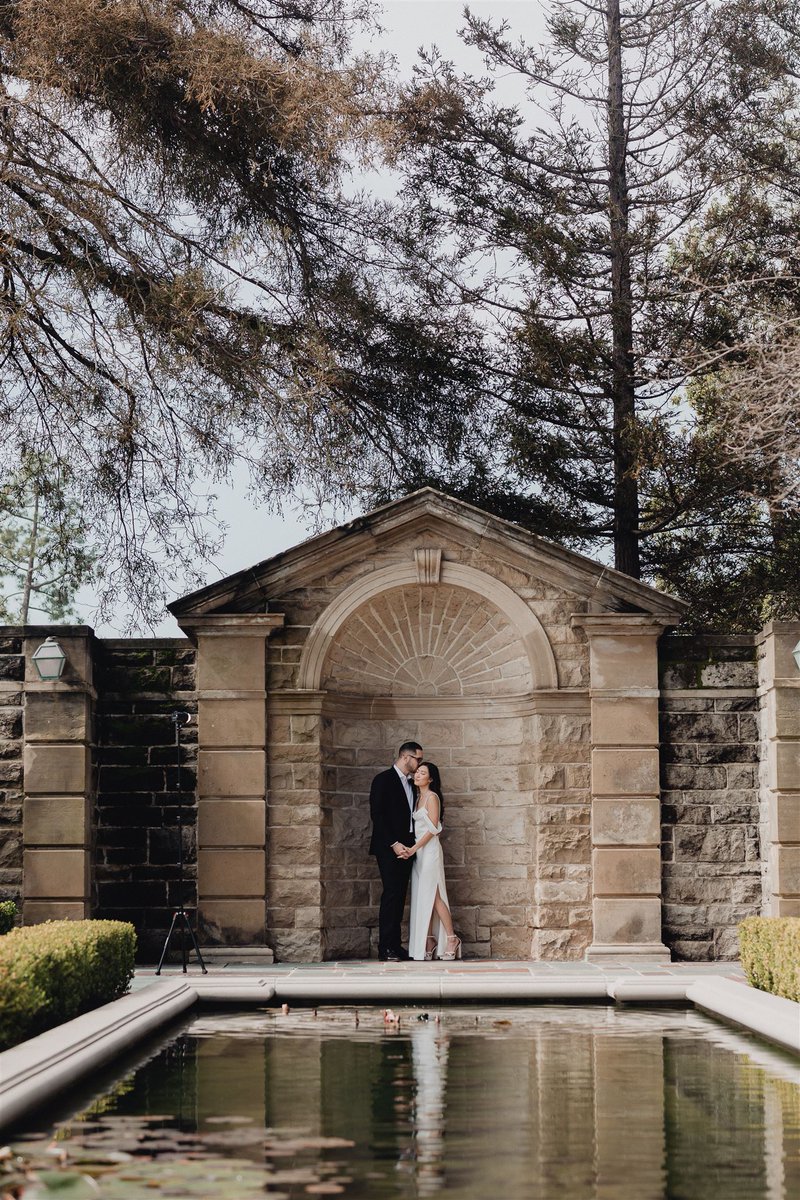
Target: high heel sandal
x: 430, y: 946
x: 453, y: 949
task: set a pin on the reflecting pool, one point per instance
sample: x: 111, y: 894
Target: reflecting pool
x: 546, y: 1102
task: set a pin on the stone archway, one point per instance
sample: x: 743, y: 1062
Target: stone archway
x: 529, y: 630
x: 444, y: 665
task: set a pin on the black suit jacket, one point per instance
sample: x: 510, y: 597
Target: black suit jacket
x: 391, y: 816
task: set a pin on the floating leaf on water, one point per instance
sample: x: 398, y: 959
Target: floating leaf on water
x: 228, y: 1120
x: 324, y: 1189
x: 234, y: 1137
x: 313, y: 1143
x: 64, y: 1185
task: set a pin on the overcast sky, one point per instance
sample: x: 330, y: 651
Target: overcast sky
x: 253, y: 534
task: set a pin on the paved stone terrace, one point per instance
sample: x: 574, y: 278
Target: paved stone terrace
x: 369, y: 969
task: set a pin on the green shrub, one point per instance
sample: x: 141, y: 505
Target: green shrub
x: 8, y: 914
x: 770, y: 952
x: 53, y: 972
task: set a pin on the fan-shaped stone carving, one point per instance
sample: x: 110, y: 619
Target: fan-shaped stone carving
x: 427, y: 641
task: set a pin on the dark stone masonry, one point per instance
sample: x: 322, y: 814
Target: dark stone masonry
x: 711, y: 853
x: 140, y: 784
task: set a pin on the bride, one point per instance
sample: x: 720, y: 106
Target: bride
x: 430, y: 928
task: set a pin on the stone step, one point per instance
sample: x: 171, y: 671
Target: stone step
x: 237, y: 956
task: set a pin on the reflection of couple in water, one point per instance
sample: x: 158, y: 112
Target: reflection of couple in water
x: 424, y: 1157
x: 406, y: 807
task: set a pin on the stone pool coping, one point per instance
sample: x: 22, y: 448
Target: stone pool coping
x: 32, y: 1073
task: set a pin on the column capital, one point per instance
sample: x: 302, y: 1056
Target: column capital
x: 231, y: 624
x: 620, y: 624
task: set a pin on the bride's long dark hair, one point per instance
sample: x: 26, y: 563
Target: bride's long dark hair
x: 436, y: 784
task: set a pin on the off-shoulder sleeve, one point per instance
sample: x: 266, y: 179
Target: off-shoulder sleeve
x: 429, y: 825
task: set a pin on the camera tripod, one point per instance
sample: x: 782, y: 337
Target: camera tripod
x: 180, y: 917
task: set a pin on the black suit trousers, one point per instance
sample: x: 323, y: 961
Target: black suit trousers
x: 395, y: 874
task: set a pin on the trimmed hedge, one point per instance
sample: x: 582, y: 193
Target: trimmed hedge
x: 769, y: 948
x: 8, y: 913
x: 53, y: 972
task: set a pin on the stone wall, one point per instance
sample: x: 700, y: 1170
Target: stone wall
x: 140, y: 784
x: 518, y: 844
x: 711, y: 853
x: 12, y: 674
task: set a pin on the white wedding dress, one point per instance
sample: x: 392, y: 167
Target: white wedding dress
x: 427, y: 875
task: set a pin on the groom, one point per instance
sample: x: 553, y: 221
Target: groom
x: 391, y: 805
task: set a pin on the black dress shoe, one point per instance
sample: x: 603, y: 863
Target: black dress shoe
x: 390, y: 956
x: 404, y: 955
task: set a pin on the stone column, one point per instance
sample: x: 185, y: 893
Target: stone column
x: 57, y: 780
x: 779, y: 689
x: 297, y: 870
x: 626, y: 826
x: 231, y: 774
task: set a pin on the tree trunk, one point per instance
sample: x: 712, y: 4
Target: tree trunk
x: 29, y: 568
x: 626, y: 490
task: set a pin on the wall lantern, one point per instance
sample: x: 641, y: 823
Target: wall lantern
x: 796, y: 655
x: 49, y: 659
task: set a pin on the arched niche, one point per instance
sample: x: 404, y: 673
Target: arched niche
x: 534, y: 640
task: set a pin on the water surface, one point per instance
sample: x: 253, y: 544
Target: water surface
x: 546, y: 1102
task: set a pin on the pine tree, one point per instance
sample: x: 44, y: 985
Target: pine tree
x: 561, y: 221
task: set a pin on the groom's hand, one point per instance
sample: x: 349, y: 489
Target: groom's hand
x: 399, y: 849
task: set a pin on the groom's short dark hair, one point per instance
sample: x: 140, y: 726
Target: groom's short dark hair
x: 408, y: 746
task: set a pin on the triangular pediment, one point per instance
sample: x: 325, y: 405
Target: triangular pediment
x: 424, y: 517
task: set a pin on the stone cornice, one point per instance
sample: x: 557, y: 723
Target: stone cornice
x: 254, y: 625
x: 620, y: 624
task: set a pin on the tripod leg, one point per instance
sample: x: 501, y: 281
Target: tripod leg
x: 194, y: 943
x: 175, y: 916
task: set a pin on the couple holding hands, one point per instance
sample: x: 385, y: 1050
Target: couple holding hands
x: 406, y: 808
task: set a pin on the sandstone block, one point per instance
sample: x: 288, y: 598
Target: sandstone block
x: 623, y: 661
x: 230, y: 873
x: 783, y: 712
x: 783, y: 760
x: 625, y: 772
x: 778, y: 662
x: 232, y: 922
x: 785, y: 870
x: 296, y: 892
x: 225, y: 773
x: 230, y: 663
x: 626, y: 822
x: 347, y: 943
x: 627, y: 921
x: 627, y: 872
x: 56, y: 874
x: 784, y: 906
x: 563, y: 844
x: 298, y: 945
x: 625, y: 722
x: 562, y: 891
x: 56, y: 821
x: 231, y: 722
x: 784, y: 817
x: 57, y: 717
x: 55, y: 770
x: 34, y: 912
x: 231, y: 822
x: 286, y: 839
x: 511, y: 942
